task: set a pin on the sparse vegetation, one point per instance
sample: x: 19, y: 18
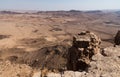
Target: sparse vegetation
x: 40, y: 41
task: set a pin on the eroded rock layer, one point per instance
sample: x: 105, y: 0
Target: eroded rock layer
x: 85, y: 45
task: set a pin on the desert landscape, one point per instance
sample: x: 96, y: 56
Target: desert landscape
x: 36, y: 43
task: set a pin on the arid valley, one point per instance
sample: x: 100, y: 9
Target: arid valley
x: 25, y: 39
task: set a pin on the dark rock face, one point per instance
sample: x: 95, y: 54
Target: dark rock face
x: 117, y: 38
x: 4, y: 36
x: 85, y: 45
x: 51, y: 57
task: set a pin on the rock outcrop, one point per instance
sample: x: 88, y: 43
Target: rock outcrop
x: 100, y: 66
x: 85, y: 45
x: 117, y: 38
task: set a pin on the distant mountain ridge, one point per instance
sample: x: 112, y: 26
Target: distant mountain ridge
x: 118, y: 12
x: 9, y: 12
x: 59, y: 11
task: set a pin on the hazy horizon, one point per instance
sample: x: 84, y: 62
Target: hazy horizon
x: 54, y: 5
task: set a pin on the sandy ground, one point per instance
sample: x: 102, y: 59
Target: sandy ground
x: 29, y: 32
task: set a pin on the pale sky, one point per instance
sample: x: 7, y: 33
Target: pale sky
x: 59, y: 4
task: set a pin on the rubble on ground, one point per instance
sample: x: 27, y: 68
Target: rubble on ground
x: 8, y: 69
x: 52, y: 61
x: 100, y: 66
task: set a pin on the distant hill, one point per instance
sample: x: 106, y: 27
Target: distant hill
x: 59, y: 12
x: 9, y: 12
x: 95, y: 11
x: 118, y: 12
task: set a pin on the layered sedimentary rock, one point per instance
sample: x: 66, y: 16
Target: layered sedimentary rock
x: 85, y: 45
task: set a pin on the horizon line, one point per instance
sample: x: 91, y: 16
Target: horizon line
x: 60, y: 10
